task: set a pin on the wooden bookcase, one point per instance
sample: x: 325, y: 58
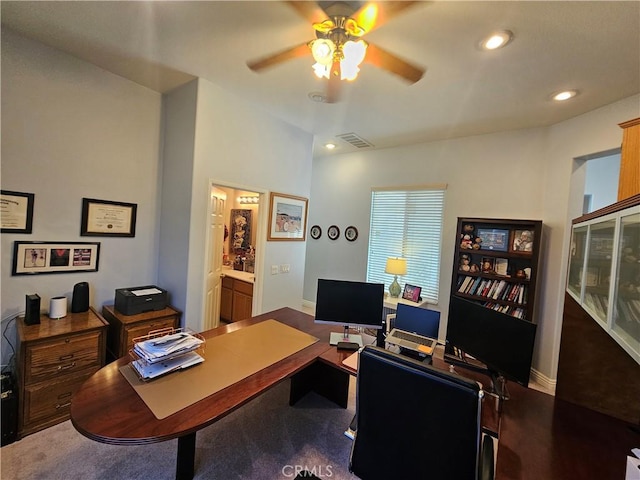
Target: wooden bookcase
x: 496, y: 264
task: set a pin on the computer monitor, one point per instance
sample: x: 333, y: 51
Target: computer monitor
x: 417, y: 320
x: 349, y: 304
x: 503, y: 343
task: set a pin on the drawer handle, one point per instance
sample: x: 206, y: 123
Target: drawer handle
x: 67, y: 340
x: 66, y: 367
x: 66, y: 357
x: 63, y: 405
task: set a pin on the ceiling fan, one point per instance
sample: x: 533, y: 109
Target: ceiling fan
x: 338, y: 48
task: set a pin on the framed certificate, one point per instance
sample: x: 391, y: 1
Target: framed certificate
x: 104, y: 218
x: 16, y: 211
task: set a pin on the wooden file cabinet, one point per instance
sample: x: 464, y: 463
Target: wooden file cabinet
x: 124, y: 328
x: 54, y: 358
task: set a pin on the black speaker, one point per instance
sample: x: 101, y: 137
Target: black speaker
x: 80, y: 299
x: 32, y: 310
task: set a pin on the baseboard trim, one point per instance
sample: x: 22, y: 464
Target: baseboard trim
x: 546, y: 383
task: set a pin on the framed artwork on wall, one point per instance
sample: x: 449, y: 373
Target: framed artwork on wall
x: 30, y: 258
x: 16, y: 211
x: 287, y: 217
x: 240, y: 230
x: 104, y: 218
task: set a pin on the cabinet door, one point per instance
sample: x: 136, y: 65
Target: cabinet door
x: 226, y: 304
x: 241, y: 306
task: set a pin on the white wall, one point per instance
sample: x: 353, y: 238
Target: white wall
x: 522, y: 174
x: 71, y: 130
x: 235, y: 145
x: 602, y: 180
x: 593, y: 132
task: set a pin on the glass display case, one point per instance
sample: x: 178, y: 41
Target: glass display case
x: 604, y: 272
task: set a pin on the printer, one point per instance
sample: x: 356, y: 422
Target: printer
x: 134, y: 300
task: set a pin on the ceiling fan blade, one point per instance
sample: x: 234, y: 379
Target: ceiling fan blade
x: 309, y: 10
x: 388, y: 61
x: 375, y: 14
x: 272, y: 60
x: 333, y: 84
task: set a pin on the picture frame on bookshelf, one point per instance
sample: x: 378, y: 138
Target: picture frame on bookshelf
x: 488, y: 265
x: 501, y: 267
x: 495, y: 239
x: 522, y: 241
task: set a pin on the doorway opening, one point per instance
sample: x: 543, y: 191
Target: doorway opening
x: 234, y: 252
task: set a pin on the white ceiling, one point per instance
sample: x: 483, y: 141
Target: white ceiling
x: 591, y: 46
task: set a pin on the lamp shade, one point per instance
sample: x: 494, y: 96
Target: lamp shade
x: 396, y: 266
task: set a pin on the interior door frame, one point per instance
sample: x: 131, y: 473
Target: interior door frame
x: 260, y: 243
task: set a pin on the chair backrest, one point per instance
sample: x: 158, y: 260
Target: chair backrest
x: 418, y: 320
x: 413, y: 420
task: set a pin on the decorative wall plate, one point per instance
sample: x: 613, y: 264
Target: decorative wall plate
x: 315, y: 232
x: 333, y: 232
x: 351, y: 233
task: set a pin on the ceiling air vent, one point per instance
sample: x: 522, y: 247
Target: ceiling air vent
x: 355, y: 140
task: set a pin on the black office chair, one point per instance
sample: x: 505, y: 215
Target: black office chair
x: 414, y: 421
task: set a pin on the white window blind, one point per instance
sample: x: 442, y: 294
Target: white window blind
x: 407, y: 223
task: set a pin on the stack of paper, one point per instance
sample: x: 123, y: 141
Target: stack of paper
x: 165, y: 354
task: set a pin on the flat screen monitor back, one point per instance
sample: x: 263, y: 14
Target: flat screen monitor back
x: 348, y: 303
x: 502, y: 342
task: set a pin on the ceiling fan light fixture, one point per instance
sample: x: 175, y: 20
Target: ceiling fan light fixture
x: 322, y: 50
x: 353, y: 55
x: 321, y: 71
x: 497, y: 40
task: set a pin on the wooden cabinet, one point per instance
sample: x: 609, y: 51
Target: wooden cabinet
x: 54, y: 358
x: 236, y: 299
x: 124, y: 328
x: 599, y: 360
x: 496, y: 264
x: 629, y: 183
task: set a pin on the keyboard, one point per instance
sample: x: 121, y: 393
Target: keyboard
x: 413, y: 338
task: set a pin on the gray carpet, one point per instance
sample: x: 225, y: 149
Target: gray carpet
x: 264, y: 440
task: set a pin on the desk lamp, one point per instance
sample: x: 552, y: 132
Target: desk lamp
x: 395, y: 266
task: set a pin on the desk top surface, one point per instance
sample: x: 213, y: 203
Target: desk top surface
x: 540, y: 436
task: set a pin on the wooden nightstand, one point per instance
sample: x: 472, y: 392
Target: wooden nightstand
x: 124, y: 328
x: 54, y: 358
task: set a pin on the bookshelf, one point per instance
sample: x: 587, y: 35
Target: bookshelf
x: 496, y: 264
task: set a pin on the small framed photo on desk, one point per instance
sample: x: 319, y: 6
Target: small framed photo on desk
x: 411, y: 292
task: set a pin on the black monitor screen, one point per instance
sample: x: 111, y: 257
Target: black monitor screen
x: 502, y: 342
x: 346, y: 303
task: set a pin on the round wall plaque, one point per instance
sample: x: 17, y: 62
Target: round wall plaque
x: 351, y: 233
x: 315, y: 232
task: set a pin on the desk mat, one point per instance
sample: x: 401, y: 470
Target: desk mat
x: 229, y: 358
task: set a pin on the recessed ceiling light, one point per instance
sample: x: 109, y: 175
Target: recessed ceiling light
x: 564, y: 95
x: 329, y: 146
x: 497, y: 40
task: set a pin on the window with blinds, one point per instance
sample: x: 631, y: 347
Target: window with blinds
x: 407, y: 223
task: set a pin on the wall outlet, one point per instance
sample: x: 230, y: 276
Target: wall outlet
x: 274, y: 269
x: 285, y: 268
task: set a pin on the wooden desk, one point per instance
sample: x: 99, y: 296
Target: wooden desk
x: 108, y: 410
x: 540, y: 437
